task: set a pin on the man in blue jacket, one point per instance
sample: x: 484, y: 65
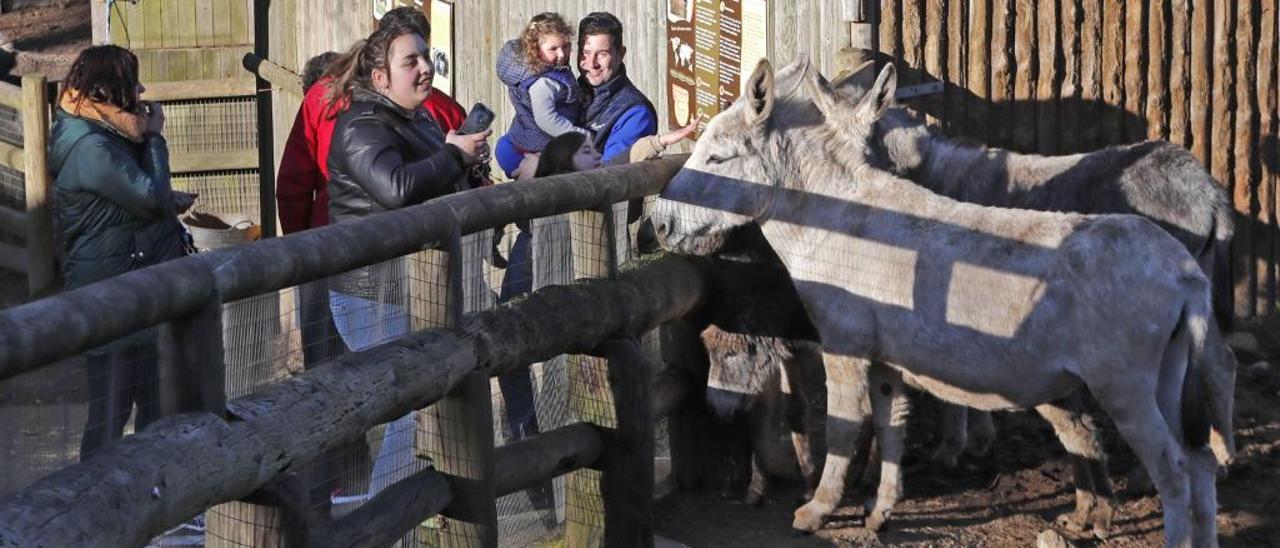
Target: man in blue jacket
x: 617, y: 115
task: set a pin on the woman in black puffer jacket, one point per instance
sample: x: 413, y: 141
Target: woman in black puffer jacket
x: 387, y: 153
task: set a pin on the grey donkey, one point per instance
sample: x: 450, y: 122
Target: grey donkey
x: 985, y: 307
x: 1158, y: 180
x: 1155, y: 179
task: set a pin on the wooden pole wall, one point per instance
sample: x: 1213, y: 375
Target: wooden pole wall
x: 1064, y: 76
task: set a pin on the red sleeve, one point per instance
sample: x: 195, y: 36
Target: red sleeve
x: 301, y: 183
x: 445, y: 110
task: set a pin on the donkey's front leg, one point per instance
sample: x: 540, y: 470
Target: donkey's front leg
x: 847, y: 410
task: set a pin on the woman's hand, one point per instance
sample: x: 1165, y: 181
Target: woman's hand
x: 675, y: 136
x: 528, y: 167
x: 474, y: 147
x: 154, y: 114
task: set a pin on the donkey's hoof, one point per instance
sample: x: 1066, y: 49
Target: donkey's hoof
x: 876, y: 520
x: 1072, y: 523
x: 1101, y: 518
x: 754, y: 498
x: 809, y: 518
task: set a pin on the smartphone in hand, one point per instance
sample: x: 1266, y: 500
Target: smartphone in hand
x: 478, y: 120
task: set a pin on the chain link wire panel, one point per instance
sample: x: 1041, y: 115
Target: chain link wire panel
x: 13, y: 192
x: 211, y: 125
x: 45, y: 414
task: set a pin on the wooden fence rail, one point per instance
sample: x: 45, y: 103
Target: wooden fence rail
x: 262, y: 436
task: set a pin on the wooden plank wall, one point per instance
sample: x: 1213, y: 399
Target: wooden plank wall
x: 803, y: 26
x: 1062, y: 76
x: 1047, y: 76
x: 186, y: 39
x: 303, y: 28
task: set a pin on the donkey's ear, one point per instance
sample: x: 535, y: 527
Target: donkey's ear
x: 760, y: 91
x: 880, y: 97
x: 828, y: 102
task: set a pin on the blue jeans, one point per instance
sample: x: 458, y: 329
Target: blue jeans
x: 363, y: 324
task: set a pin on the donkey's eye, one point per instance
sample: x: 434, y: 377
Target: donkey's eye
x: 716, y: 159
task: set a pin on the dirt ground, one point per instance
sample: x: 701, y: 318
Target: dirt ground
x: 1008, y: 497
x: 44, y: 38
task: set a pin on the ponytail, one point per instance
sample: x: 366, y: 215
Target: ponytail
x: 341, y: 74
x: 355, y: 67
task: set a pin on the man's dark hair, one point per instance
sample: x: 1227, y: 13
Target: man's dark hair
x: 105, y: 74
x: 408, y: 16
x: 600, y: 22
x: 315, y: 68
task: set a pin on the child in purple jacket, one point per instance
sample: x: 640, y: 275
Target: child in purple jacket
x: 547, y: 98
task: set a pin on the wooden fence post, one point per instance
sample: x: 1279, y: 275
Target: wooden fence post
x: 594, y: 256
x: 465, y: 422
x: 626, y: 482
x: 35, y: 140
x: 192, y: 370
x: 457, y: 432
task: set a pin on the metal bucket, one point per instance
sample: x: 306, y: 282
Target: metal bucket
x: 215, y: 230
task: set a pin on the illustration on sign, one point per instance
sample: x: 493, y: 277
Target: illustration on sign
x: 709, y: 43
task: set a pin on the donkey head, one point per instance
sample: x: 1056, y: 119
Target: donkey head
x: 726, y: 181
x: 852, y: 108
x: 783, y: 133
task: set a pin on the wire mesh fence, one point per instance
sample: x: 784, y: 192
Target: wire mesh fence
x: 47, y: 417
x: 211, y: 125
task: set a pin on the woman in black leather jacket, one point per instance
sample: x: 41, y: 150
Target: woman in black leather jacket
x: 387, y: 153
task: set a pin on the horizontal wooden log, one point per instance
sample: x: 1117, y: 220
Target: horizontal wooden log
x: 13, y: 258
x: 531, y: 461
x: 406, y: 503
x: 188, y: 162
x: 13, y: 222
x: 276, y: 74
x: 10, y: 95
x: 145, y: 483
x: 48, y: 330
x: 657, y: 289
x: 99, y: 313
x: 388, y: 516
x: 12, y: 158
x: 200, y: 89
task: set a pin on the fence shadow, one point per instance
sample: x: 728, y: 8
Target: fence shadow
x: 1075, y: 125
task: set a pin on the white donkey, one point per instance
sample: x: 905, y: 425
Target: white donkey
x: 984, y: 307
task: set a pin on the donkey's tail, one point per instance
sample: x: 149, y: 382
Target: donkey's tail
x: 1208, y: 389
x: 1219, y: 247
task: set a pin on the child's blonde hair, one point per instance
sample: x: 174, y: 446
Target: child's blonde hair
x: 542, y: 24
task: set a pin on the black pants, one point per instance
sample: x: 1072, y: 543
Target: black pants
x: 121, y: 376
